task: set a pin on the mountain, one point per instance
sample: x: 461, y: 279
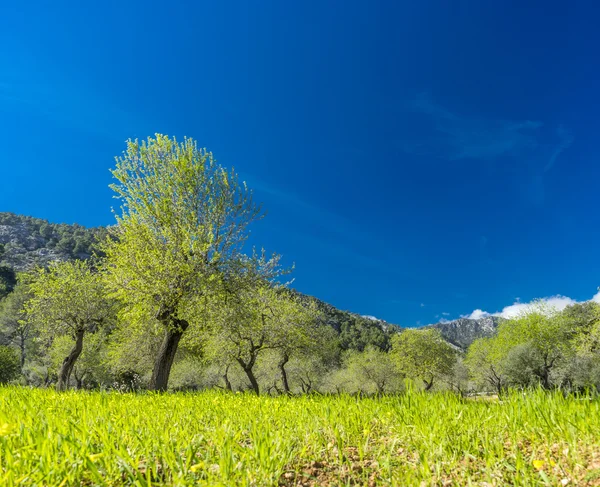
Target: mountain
x: 355, y: 331
x: 29, y: 241
x: 464, y: 331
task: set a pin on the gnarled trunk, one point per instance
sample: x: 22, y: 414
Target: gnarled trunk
x: 166, y: 355
x: 284, y: 378
x: 69, y: 361
x: 250, y: 374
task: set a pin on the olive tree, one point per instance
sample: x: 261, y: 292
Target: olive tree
x: 68, y: 299
x: 184, y: 218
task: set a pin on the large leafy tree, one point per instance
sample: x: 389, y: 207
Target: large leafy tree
x: 184, y: 219
x: 423, y: 354
x: 539, y: 339
x: 68, y: 299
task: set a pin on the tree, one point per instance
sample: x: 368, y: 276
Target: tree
x: 9, y: 364
x: 184, y: 218
x: 485, y: 363
x: 8, y: 278
x: 90, y: 368
x: 69, y: 298
x: 372, y: 370
x: 259, y: 316
x: 423, y: 354
x: 581, y: 322
x: 543, y: 339
x: 14, y: 326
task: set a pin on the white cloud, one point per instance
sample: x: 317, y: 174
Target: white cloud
x: 555, y: 303
x: 445, y: 314
x: 422, y: 305
x: 477, y: 314
x: 596, y: 297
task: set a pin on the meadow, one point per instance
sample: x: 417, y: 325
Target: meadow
x: 214, y: 438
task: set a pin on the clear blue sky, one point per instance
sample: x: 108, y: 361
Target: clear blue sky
x: 418, y: 160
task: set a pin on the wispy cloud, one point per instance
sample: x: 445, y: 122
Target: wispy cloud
x: 527, y: 146
x: 461, y: 137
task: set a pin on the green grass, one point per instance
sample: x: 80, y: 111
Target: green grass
x: 211, y: 438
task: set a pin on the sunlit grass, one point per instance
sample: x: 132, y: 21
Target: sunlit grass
x: 212, y: 438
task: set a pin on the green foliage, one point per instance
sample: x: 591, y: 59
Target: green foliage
x: 423, y: 354
x: 183, y: 216
x: 485, y: 363
x: 8, y: 278
x: 15, y: 329
x: 68, y: 297
x: 9, y: 364
x: 371, y: 371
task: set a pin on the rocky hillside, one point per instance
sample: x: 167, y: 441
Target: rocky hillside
x: 32, y: 241
x: 464, y: 331
x: 355, y: 331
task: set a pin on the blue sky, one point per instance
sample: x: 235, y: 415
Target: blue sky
x: 418, y: 160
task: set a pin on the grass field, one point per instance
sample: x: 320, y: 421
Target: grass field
x: 212, y: 438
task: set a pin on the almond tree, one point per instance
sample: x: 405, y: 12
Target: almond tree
x: 184, y: 219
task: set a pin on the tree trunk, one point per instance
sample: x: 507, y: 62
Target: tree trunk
x: 284, y: 378
x: 226, y: 379
x: 79, y: 381
x: 22, y: 347
x: 166, y: 355
x: 250, y: 374
x: 69, y: 361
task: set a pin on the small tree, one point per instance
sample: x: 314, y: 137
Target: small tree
x: 8, y: 278
x: 17, y: 330
x: 9, y: 364
x: 423, y: 354
x: 486, y: 364
x: 183, y: 219
x: 68, y: 299
x: 258, y: 318
x: 372, y: 370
